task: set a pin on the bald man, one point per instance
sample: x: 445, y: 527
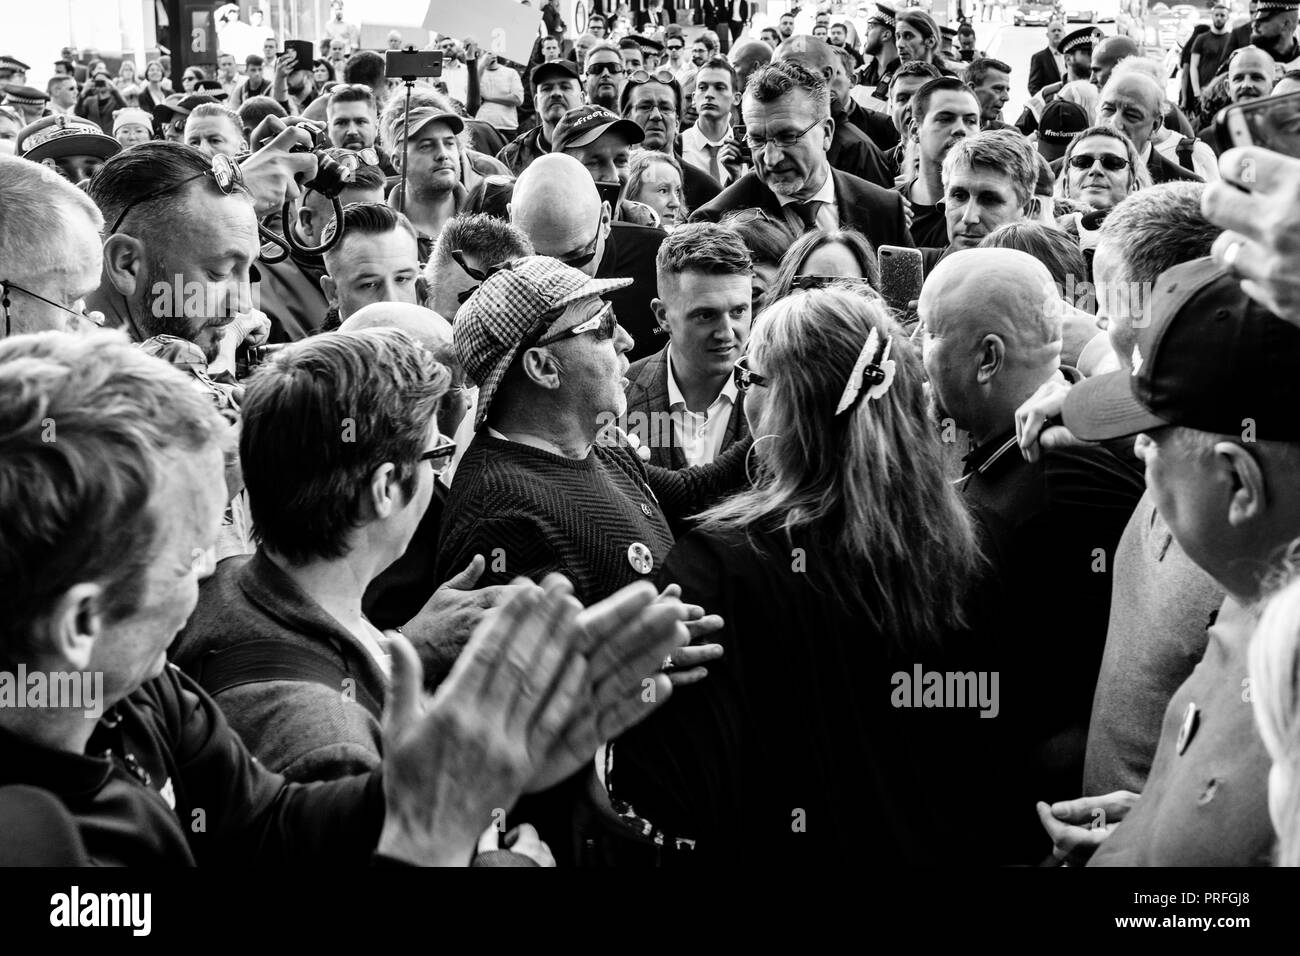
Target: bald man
x: 1251, y: 74
x: 851, y: 151
x: 993, y: 321
x: 1106, y: 54
x: 747, y: 57
x: 1134, y: 104
x: 556, y: 205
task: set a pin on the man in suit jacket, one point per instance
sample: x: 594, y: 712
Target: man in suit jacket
x: 787, y: 113
x: 1046, y: 66
x: 1133, y: 103
x: 682, y: 401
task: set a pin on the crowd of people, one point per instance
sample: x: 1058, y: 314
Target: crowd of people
x: 682, y: 449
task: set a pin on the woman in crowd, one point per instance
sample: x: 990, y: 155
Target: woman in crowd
x: 844, y: 253
x: 322, y: 71
x: 126, y: 75
x: 655, y: 179
x: 767, y: 240
x: 191, y: 77
x: 156, y: 86
x: 1275, y: 680
x: 1100, y: 168
x: 851, y: 559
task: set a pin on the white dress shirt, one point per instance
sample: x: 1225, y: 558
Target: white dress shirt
x: 696, y: 149
x: 700, y: 434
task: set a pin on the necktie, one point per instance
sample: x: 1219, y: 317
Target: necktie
x: 808, y: 213
x: 715, y: 168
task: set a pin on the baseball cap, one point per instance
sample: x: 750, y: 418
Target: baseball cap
x: 422, y: 116
x: 586, y: 124
x: 1061, y: 121
x: 53, y: 137
x: 212, y: 88
x: 561, y: 68
x: 130, y: 115
x: 507, y: 309
x: 181, y: 106
x: 1211, y: 359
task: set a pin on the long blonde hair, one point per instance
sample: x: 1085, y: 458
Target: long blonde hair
x: 866, y: 487
x: 1275, y: 697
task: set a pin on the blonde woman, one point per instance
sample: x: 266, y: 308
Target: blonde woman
x: 848, y: 562
x: 655, y: 180
x: 1275, y: 685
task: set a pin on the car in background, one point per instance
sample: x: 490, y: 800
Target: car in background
x: 1080, y: 11
x: 1034, y: 14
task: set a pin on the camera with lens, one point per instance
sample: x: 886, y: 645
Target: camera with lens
x: 332, y: 177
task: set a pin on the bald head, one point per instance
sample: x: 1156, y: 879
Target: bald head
x: 818, y: 56
x: 1107, y: 53
x: 424, y: 325
x: 1250, y: 74
x: 993, y: 335
x: 1005, y: 292
x: 555, y: 204
x: 749, y: 56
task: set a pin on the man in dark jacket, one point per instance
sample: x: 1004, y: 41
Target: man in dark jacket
x: 787, y: 115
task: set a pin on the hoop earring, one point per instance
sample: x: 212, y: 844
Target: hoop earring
x: 749, y: 477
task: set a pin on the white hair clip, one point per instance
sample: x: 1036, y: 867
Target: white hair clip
x: 876, y: 373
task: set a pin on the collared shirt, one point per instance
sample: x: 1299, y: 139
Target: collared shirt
x: 828, y: 215
x: 698, y: 149
x: 700, y: 434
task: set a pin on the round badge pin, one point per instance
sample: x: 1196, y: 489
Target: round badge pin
x: 638, y: 555
x: 645, y: 509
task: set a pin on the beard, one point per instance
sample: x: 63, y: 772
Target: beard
x: 1267, y: 44
x: 163, y: 308
x: 431, y: 190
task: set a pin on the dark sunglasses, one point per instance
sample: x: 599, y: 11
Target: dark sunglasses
x: 744, y: 377
x: 224, y: 172
x: 676, y: 46
x: 440, y: 455
x: 478, y: 275
x: 1108, y: 161
x: 598, y: 68
x: 603, y: 323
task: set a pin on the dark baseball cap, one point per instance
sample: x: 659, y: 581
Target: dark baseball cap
x: 507, y: 309
x: 164, y: 111
x: 1061, y: 122
x: 586, y: 124
x: 563, y: 69
x: 1210, y: 359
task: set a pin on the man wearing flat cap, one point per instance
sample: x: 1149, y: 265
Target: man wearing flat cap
x: 72, y: 146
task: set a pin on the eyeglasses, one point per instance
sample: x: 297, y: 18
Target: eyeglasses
x: 598, y: 68
x: 744, y: 377
x: 578, y: 260
x: 440, y: 455
x: 783, y: 140
x: 224, y: 172
x: 80, y: 314
x: 603, y: 323
x: 1109, y: 161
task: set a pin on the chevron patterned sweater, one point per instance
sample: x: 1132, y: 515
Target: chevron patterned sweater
x: 601, y: 521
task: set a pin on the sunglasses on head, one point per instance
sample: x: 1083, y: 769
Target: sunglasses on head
x: 1108, y: 161
x: 223, y: 171
x: 658, y: 76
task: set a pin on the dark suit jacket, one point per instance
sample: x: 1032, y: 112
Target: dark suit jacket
x: 878, y: 126
x: 853, y: 152
x: 875, y: 212
x: 647, y: 394
x: 697, y: 185
x: 1043, y: 69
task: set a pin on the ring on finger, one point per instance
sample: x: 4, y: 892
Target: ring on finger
x: 1230, y: 256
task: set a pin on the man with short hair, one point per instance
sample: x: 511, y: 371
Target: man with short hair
x: 966, y: 51
x: 1133, y: 103
x: 212, y: 129
x: 1230, y: 500
x: 837, y: 36
x: 377, y: 260
x: 1048, y: 65
x: 602, y: 143
x: 944, y: 111
x: 785, y: 25
x: 482, y: 241
x: 655, y: 106
x: 550, y: 49
x: 903, y: 85
x: 851, y: 150
x: 227, y: 74
x: 771, y: 36
x: 50, y: 254
x: 253, y: 84
x: 582, y: 46
x: 557, y: 89
x: 682, y: 402
x: 787, y: 118
x: 501, y: 92
x: 1249, y: 78
x: 351, y: 117
x: 62, y: 91
x: 710, y: 143
x: 989, y: 180
x: 336, y: 28
x: 1207, y: 51
x: 991, y: 81
x: 1273, y: 30
x: 556, y: 205
x: 629, y: 48
x: 993, y: 325
x: 746, y: 58
x: 605, y: 76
